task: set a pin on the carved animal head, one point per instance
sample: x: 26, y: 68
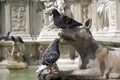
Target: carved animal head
x: 81, y: 33
x: 82, y: 40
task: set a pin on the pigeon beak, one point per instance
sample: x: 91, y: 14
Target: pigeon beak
x: 50, y: 14
x: 61, y: 30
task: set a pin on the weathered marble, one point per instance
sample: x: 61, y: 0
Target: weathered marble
x: 9, y: 64
x: 97, y: 59
x: 25, y: 18
x: 109, y: 59
x: 14, y: 56
x: 110, y: 33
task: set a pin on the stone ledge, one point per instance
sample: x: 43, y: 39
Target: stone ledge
x: 109, y: 38
x: 66, y: 75
x: 9, y: 64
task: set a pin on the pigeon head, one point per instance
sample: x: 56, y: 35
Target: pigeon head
x: 55, y: 11
x: 19, y: 39
x: 9, y: 32
x: 13, y: 38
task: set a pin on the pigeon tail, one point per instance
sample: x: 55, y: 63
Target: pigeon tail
x: 41, y: 68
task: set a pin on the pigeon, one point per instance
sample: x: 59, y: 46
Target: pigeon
x: 16, y: 39
x: 62, y: 21
x: 50, y: 58
x: 5, y: 36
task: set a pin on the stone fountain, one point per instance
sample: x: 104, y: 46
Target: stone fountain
x: 14, y: 56
x: 32, y: 20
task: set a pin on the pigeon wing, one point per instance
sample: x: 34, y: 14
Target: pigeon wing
x: 66, y: 19
x: 71, y: 22
x: 51, y: 58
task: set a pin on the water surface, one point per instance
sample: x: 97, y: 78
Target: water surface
x: 26, y: 74
x: 29, y: 73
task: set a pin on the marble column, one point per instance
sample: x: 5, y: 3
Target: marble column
x: 79, y: 9
x: 7, y: 18
x: 84, y: 5
x: 76, y: 10
x: 94, y: 27
x: 114, y: 16
x: 118, y: 14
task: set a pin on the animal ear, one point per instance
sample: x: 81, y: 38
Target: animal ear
x: 88, y: 23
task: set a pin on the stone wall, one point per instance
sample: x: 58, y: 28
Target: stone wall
x: 25, y: 18
x: 107, y: 27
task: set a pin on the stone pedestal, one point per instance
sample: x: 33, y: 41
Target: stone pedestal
x: 13, y: 56
x: 9, y: 64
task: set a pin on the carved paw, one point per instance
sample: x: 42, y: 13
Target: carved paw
x: 82, y: 67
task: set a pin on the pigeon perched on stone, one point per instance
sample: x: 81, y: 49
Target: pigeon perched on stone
x: 17, y: 39
x: 5, y: 36
x: 62, y: 21
x: 51, y: 58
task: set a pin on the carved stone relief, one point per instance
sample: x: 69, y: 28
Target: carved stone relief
x: 103, y: 10
x: 75, y: 13
x: 113, y: 13
x: 49, y: 5
x: 18, y: 18
x: 85, y: 4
